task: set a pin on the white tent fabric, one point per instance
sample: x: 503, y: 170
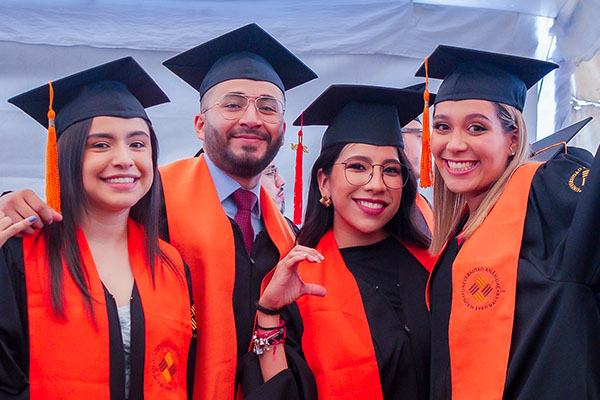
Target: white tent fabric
x: 354, y: 41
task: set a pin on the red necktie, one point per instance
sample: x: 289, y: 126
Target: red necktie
x: 245, y: 201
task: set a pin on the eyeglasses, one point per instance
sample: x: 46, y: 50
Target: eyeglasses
x: 233, y: 106
x: 273, y: 172
x: 412, y: 130
x: 359, y: 173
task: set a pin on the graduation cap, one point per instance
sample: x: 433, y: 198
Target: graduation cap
x: 419, y: 87
x: 550, y: 146
x: 120, y: 88
x: 248, y: 52
x: 476, y: 74
x: 363, y: 114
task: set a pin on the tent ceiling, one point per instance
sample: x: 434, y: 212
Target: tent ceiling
x: 542, y: 8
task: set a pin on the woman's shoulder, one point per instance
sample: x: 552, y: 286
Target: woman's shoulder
x: 557, y: 184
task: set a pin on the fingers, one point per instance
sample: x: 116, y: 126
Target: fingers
x: 46, y: 214
x: 314, y: 290
x: 25, y: 203
x: 8, y: 229
x: 301, y: 253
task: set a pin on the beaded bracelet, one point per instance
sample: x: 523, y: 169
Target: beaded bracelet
x: 262, y: 342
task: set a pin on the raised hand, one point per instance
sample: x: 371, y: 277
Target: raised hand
x: 286, y: 285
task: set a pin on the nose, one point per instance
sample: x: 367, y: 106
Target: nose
x: 250, y: 115
x: 456, y: 142
x: 122, y: 156
x: 279, y: 181
x: 376, y: 183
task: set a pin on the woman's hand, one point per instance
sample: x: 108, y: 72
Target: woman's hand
x: 286, y: 285
x: 8, y: 229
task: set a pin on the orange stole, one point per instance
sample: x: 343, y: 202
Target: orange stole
x: 337, y: 340
x: 201, y: 231
x: 71, y: 359
x: 484, y: 283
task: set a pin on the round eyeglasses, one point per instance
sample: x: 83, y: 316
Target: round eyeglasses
x: 359, y: 173
x: 233, y: 106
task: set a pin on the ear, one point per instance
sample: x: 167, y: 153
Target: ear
x: 199, y: 125
x: 323, y: 180
x: 513, y: 140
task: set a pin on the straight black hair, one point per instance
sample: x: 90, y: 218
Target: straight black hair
x: 319, y: 219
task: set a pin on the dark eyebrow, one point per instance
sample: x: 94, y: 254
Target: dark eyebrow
x: 469, y: 116
x: 368, y: 160
x: 270, y: 96
x: 111, y: 136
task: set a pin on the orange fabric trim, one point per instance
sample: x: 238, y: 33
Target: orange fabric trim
x: 484, y: 284
x: 201, y: 231
x: 337, y: 340
x: 426, y: 211
x: 425, y: 258
x: 80, y: 352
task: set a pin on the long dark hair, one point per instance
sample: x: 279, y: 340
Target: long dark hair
x: 61, y: 238
x: 319, y: 219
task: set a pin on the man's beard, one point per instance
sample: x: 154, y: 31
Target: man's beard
x: 245, y: 165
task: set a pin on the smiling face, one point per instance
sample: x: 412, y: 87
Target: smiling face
x: 246, y: 145
x: 361, y: 212
x: 117, y: 166
x: 470, y: 146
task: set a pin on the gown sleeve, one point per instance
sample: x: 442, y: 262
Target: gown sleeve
x: 561, y: 231
x: 582, y: 245
x: 14, y: 340
x: 295, y: 383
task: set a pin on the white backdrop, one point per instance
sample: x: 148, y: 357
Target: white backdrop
x: 370, y: 42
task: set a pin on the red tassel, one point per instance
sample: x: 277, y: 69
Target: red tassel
x: 298, y: 179
x: 426, y: 165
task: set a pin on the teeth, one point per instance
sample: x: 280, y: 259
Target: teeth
x: 461, y: 165
x: 120, y: 180
x: 369, y: 204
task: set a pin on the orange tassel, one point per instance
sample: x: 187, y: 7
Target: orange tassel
x: 426, y: 165
x: 52, y: 180
x: 299, y: 148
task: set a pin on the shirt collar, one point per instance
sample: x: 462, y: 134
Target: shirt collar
x: 226, y: 185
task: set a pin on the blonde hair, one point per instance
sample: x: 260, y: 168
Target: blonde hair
x: 449, y: 207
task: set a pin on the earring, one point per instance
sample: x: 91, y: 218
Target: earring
x: 325, y: 200
x: 512, y: 152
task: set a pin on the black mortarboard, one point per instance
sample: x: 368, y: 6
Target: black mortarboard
x: 120, y: 88
x: 245, y: 53
x: 547, y: 148
x: 363, y: 114
x: 475, y: 74
x: 419, y: 87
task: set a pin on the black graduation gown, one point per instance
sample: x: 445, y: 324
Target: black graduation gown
x: 555, y: 342
x: 14, y: 334
x: 296, y: 382
x: 393, y: 294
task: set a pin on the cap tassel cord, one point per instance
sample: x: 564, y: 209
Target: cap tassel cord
x: 52, y: 179
x: 426, y: 165
x: 299, y: 148
x: 551, y: 146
